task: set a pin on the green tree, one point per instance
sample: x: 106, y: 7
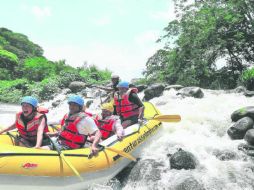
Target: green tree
x: 202, y: 33
x: 38, y: 68
x: 20, y: 44
x: 8, y: 61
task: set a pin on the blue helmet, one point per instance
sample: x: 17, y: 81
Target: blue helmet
x: 30, y: 100
x: 76, y: 99
x: 123, y: 84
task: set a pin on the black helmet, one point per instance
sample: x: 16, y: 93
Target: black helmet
x: 115, y: 77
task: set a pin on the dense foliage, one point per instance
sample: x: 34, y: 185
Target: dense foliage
x: 24, y: 70
x: 203, y: 33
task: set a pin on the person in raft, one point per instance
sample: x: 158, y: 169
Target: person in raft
x: 128, y: 105
x: 31, y: 123
x: 76, y: 126
x: 108, y: 123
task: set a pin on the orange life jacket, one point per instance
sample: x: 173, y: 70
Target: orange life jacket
x: 70, y: 136
x: 29, y: 132
x: 124, y: 107
x: 105, y: 126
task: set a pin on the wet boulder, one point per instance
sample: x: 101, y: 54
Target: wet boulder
x: 225, y: 155
x: 189, y: 183
x: 243, y: 112
x: 195, y: 92
x: 176, y: 87
x: 99, y: 93
x: 77, y: 86
x: 154, y: 90
x: 66, y: 91
x: 183, y: 160
x: 244, y: 146
x: 114, y: 184
x: 249, y: 93
x: 238, y: 130
x: 239, y: 89
x: 141, y: 87
x: 247, y: 149
x: 147, y: 170
x: 249, y: 137
x: 56, y: 103
x: 83, y: 92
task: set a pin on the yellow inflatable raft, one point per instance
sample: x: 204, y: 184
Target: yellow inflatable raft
x: 28, y: 167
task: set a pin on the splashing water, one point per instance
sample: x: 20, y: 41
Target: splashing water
x: 202, y: 132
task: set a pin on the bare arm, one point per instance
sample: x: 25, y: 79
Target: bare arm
x: 97, y: 138
x: 40, y: 133
x: 141, y: 112
x: 108, y: 89
x: 118, y: 129
x: 13, y: 126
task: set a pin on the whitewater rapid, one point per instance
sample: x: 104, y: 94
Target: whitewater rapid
x: 202, y: 131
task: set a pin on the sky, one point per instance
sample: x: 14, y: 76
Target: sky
x: 119, y: 35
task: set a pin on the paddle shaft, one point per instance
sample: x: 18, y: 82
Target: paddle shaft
x: 120, y: 152
x: 166, y: 118
x: 61, y: 154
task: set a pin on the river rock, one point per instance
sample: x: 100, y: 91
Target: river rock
x: 148, y: 170
x: 176, y: 87
x: 189, y: 183
x: 56, y: 103
x: 249, y: 136
x: 114, y: 184
x: 195, y: 92
x: 99, y: 94
x: 77, y: 86
x: 247, y: 149
x: 183, y: 160
x: 240, y: 89
x: 225, y: 155
x: 238, y: 130
x: 244, y: 146
x: 243, y: 112
x: 154, y: 90
x: 66, y: 91
x: 249, y: 93
x: 141, y: 87
x: 83, y: 92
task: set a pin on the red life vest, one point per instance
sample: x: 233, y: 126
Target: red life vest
x: 124, y: 107
x: 70, y: 135
x: 105, y: 126
x: 29, y: 132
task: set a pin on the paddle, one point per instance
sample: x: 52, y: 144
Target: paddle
x: 166, y: 118
x: 120, y: 152
x: 61, y: 154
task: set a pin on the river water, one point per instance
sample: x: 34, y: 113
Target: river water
x: 202, y: 132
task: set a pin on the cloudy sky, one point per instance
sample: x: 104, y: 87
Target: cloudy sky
x: 116, y: 34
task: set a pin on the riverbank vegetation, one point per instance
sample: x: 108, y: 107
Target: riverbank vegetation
x: 25, y: 71
x: 202, y: 35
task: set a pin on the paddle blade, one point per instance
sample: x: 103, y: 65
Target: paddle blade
x: 122, y: 153
x: 71, y: 166
x: 167, y: 118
